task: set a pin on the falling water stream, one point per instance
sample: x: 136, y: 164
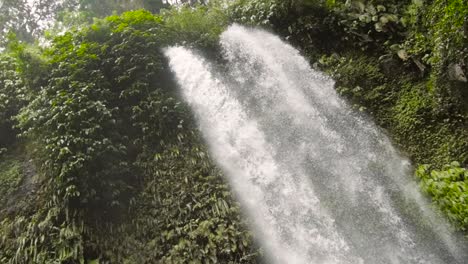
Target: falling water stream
x: 320, y: 183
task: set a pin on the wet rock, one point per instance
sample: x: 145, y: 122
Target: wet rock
x: 389, y: 65
x: 455, y: 73
x: 403, y: 54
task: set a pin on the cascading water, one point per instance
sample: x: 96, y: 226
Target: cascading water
x: 320, y: 183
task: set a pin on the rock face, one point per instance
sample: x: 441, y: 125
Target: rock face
x: 456, y: 73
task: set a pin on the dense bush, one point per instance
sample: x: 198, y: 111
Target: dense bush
x: 305, y: 23
x: 449, y: 191
x: 183, y: 212
x: 117, y: 146
x: 440, y: 38
x: 12, y: 97
x: 197, y: 27
x: 84, y: 116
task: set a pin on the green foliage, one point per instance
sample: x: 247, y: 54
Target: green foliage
x: 256, y: 12
x: 413, y: 108
x: 37, y: 239
x: 370, y: 24
x: 438, y: 41
x: 184, y: 212
x: 305, y: 23
x: 100, y: 9
x: 199, y: 27
x: 12, y: 97
x: 203, y: 223
x: 441, y: 37
x: 120, y: 155
x: 83, y: 119
x: 29, y: 19
x: 360, y: 79
x: 449, y: 191
x: 92, y: 91
x: 421, y: 125
x: 21, y: 74
x: 10, y: 178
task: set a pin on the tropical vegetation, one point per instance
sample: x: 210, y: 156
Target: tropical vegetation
x: 101, y: 161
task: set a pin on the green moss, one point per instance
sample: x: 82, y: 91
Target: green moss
x: 428, y: 134
x: 413, y: 108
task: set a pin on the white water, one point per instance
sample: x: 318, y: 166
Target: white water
x: 321, y: 184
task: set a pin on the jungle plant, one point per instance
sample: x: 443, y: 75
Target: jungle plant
x: 449, y: 191
x: 109, y: 129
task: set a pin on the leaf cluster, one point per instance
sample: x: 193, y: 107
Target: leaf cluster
x: 449, y: 191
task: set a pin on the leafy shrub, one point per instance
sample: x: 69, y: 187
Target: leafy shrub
x: 84, y: 119
x: 360, y: 79
x: 202, y: 223
x: 198, y: 27
x: 12, y: 97
x: 370, y: 24
x: 262, y: 12
x: 183, y: 212
x: 441, y: 38
x: 108, y: 109
x: 449, y: 191
x: 10, y: 178
x: 84, y: 116
x: 438, y: 41
x: 305, y: 23
x: 413, y: 108
x: 22, y: 73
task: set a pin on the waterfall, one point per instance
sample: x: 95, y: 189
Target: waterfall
x: 320, y: 183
